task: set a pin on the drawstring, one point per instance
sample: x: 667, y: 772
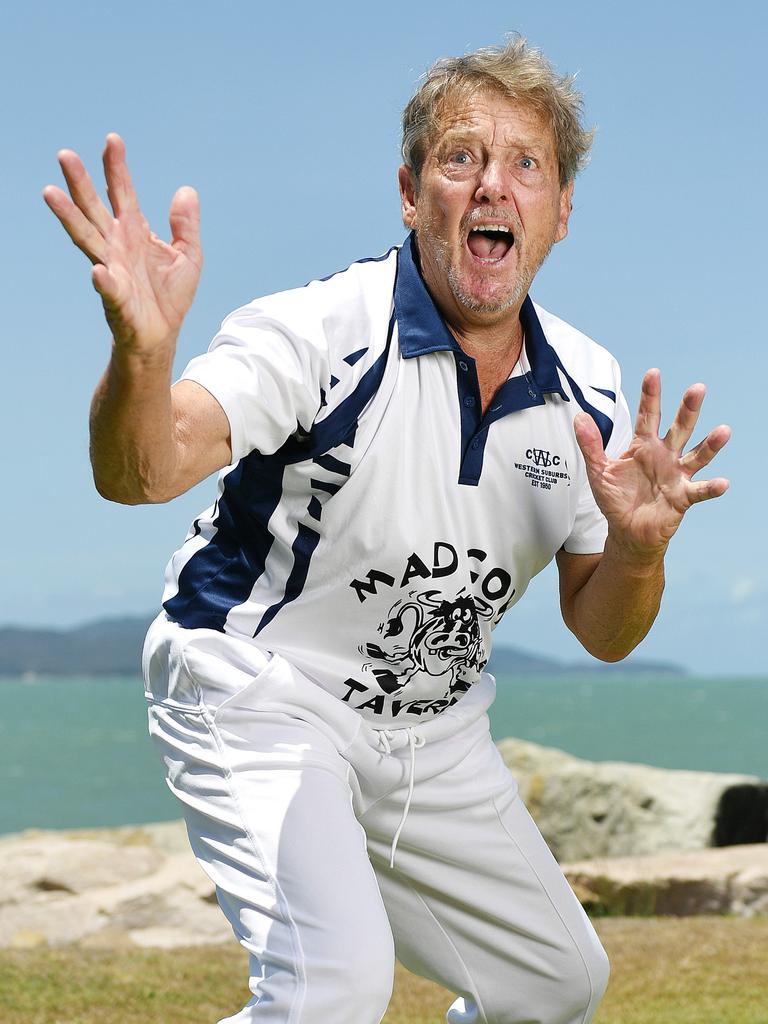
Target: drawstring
x: 414, y: 741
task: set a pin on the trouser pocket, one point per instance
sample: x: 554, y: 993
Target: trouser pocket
x: 192, y: 669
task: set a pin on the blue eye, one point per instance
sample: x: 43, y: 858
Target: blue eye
x: 460, y: 158
x: 527, y: 163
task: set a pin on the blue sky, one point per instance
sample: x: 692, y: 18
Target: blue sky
x: 285, y: 117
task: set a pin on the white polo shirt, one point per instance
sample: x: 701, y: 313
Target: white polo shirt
x: 374, y: 527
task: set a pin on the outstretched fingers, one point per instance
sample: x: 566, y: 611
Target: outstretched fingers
x: 591, y: 444
x: 684, y: 423
x: 703, y: 490
x: 649, y: 407
x: 184, y: 220
x: 83, y: 192
x: 81, y: 230
x: 700, y: 456
x: 120, y: 189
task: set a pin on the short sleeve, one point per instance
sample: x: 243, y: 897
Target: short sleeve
x: 590, y: 528
x: 267, y: 378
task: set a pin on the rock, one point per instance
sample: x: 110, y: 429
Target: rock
x: 727, y: 880
x: 56, y: 862
x: 61, y: 918
x: 118, y: 887
x: 608, y: 809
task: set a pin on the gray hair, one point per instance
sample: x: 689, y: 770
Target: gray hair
x: 516, y: 71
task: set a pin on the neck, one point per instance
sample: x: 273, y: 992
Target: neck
x: 491, y: 344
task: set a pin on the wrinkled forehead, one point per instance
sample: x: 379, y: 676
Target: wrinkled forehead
x: 484, y: 111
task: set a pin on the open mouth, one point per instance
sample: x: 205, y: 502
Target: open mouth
x: 490, y: 242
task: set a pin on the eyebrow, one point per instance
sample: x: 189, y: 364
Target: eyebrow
x: 459, y: 132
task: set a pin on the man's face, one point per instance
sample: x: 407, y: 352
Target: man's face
x: 487, y: 207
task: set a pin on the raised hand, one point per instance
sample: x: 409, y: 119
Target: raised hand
x: 146, y: 285
x: 645, y: 493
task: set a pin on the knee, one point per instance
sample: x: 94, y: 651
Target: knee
x: 369, y: 977
x: 589, y: 982
x: 568, y: 993
x: 352, y: 982
x: 599, y: 969
x: 579, y: 984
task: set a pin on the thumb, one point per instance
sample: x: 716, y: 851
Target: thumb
x: 590, y: 442
x: 184, y: 219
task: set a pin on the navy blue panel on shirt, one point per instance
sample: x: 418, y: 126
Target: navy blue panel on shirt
x: 222, y: 574
x: 325, y: 485
x: 470, y: 416
x: 303, y: 548
x: 333, y: 465
x: 354, y: 357
x: 607, y: 393
x: 338, y: 425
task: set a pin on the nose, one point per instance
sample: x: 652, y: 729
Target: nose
x: 493, y: 186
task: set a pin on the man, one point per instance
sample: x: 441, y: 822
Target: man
x: 402, y: 447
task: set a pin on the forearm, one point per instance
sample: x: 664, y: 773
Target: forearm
x: 133, y: 450
x: 617, y: 605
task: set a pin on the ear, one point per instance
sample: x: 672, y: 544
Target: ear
x: 566, y: 205
x: 408, y: 189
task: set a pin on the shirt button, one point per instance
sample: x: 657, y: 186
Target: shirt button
x: 463, y: 366
x: 469, y: 401
x: 475, y: 445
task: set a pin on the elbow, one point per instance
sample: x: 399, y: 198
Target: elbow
x: 608, y: 655
x: 122, y: 492
x: 131, y: 481
x: 607, y: 648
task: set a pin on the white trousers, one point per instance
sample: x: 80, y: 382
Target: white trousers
x: 292, y: 803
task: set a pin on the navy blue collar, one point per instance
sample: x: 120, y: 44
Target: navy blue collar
x: 421, y: 328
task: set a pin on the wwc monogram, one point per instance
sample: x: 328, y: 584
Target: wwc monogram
x: 541, y: 457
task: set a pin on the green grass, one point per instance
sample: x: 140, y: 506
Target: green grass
x: 665, y: 971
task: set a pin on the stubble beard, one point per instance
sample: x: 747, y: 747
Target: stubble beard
x: 525, y: 275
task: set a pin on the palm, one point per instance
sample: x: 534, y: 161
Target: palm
x: 154, y: 284
x: 147, y: 285
x: 645, y: 493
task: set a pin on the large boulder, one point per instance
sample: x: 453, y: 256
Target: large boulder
x: 728, y: 880
x: 588, y: 809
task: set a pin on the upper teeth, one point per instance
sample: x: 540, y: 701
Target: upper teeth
x: 491, y: 227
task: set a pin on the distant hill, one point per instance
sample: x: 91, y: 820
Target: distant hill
x: 112, y: 647
x: 511, y: 661
x: 106, y: 647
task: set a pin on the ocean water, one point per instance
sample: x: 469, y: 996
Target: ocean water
x: 74, y: 752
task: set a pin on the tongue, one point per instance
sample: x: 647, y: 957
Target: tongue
x: 487, y: 248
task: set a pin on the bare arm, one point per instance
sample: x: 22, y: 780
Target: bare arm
x: 170, y: 437
x: 149, y: 442
x: 610, y: 601
x: 607, y: 604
